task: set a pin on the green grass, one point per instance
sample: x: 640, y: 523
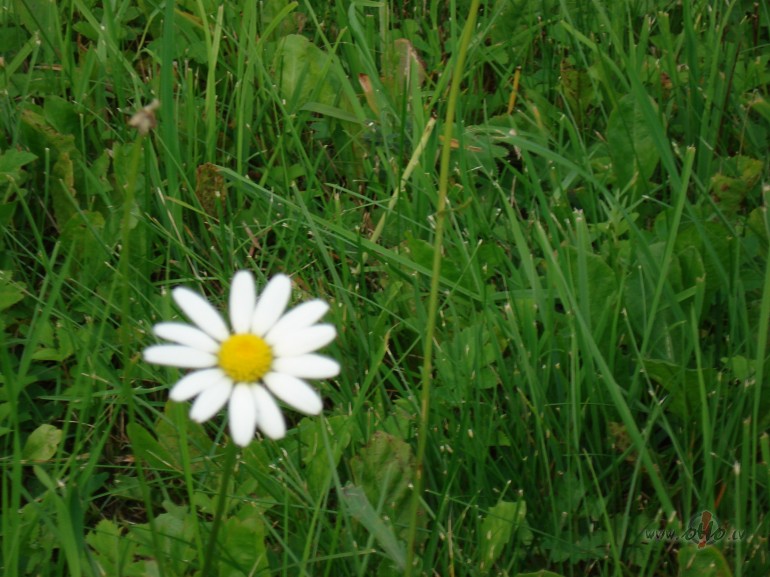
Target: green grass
x: 597, y: 370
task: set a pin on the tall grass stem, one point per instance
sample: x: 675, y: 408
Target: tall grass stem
x: 427, y: 365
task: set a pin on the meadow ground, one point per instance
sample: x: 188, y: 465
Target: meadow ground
x: 542, y: 230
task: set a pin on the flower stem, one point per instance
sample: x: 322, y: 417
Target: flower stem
x: 230, y: 452
x: 427, y: 365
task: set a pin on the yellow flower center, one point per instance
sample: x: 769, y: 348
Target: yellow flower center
x: 245, y: 358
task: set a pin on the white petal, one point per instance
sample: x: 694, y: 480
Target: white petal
x: 243, y: 299
x: 186, y: 335
x: 179, y: 356
x: 242, y: 414
x: 307, y: 366
x: 195, y: 383
x: 299, y: 317
x: 304, y: 341
x: 271, y: 304
x: 210, y: 401
x: 270, y: 420
x: 199, y: 311
x: 294, y: 392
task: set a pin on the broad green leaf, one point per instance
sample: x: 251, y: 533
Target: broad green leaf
x: 112, y: 551
x: 11, y: 163
x: 278, y: 16
x: 45, y: 140
x: 64, y: 115
x: 64, y: 195
x: 103, y: 535
x: 123, y: 158
x: 384, y: 470
x: 195, y: 438
x: 577, y: 88
x: 315, y: 455
x: 631, y: 144
x: 468, y: 361
x: 172, y: 537
x: 83, y: 234
x: 7, y: 211
x: 497, y: 529
x: 730, y: 187
x: 601, y: 287
x: 639, y: 296
x: 756, y: 223
x: 38, y: 16
x: 305, y: 73
x: 682, y: 385
x: 331, y: 111
x: 741, y: 367
x: 42, y: 443
x: 55, y: 342
x: 66, y: 505
x: 245, y: 546
x: 41, y: 134
x: 421, y: 253
x: 761, y: 106
x: 702, y: 562
x: 11, y: 292
x: 12, y: 41
x: 147, y: 447
x: 362, y: 510
x: 401, y: 419
x: 38, y: 537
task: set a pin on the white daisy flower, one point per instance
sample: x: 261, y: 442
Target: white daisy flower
x: 264, y: 354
